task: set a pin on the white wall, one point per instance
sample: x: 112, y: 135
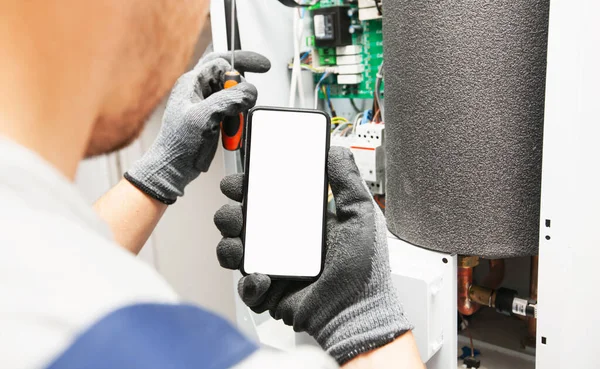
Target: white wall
x: 182, y: 247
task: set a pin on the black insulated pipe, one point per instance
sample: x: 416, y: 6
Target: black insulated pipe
x: 464, y: 91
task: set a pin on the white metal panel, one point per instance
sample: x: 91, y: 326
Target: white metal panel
x: 426, y: 283
x: 570, y: 244
x: 266, y: 28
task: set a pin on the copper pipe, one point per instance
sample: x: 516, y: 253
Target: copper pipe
x: 483, y: 296
x: 493, y: 280
x: 533, y: 295
x: 495, y: 276
x: 465, y: 280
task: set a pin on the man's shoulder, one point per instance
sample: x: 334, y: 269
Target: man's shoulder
x: 62, y: 275
x: 65, y: 256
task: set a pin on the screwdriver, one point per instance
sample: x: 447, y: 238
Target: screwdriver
x: 232, y: 127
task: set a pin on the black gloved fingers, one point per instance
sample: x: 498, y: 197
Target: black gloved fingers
x: 349, y: 190
x: 199, y: 83
x: 229, y: 102
x: 211, y: 77
x: 229, y: 220
x: 253, y: 289
x: 230, y: 252
x: 232, y: 186
x: 289, y: 301
x: 245, y: 61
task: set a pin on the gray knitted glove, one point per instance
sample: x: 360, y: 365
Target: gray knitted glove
x: 188, y: 138
x: 353, y: 307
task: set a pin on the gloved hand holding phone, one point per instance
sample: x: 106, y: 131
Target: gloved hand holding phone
x: 353, y: 307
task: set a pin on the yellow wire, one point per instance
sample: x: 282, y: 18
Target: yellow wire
x: 306, y: 66
x: 339, y: 121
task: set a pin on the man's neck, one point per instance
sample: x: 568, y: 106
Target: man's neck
x: 48, y: 98
x: 54, y: 126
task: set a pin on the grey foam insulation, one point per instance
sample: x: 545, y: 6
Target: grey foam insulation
x: 464, y: 98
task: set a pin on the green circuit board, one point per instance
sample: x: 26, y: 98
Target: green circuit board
x: 371, y: 40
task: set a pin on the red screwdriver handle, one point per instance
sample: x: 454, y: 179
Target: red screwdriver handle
x: 232, y: 127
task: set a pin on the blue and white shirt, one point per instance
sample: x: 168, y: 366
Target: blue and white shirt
x: 70, y: 297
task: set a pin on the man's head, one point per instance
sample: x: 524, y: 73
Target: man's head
x: 79, y: 77
x: 151, y: 53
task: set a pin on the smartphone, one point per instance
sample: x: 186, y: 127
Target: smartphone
x: 285, y: 192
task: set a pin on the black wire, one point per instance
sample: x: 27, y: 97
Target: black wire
x: 354, y: 106
x: 295, y: 4
x: 331, y: 108
x: 330, y: 104
x: 378, y: 5
x: 375, y: 105
x: 377, y: 92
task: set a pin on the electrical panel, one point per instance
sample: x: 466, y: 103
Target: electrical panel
x: 366, y: 145
x: 370, y: 157
x: 348, y: 39
x: 332, y: 26
x: 345, y: 55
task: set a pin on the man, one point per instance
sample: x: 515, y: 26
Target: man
x: 78, y: 79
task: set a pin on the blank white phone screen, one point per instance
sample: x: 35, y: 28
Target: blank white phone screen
x: 285, y: 197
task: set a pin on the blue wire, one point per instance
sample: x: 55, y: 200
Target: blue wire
x: 329, y: 92
x: 304, y: 55
x: 367, y: 116
x: 323, y: 77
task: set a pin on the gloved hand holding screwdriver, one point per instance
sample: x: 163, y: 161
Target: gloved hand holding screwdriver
x: 189, y: 135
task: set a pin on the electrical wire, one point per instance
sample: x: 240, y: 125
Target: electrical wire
x: 338, y: 131
x: 377, y: 92
x: 305, y: 67
x: 469, y: 333
x: 331, y: 109
x: 357, y: 119
x: 313, y: 69
x: 354, y: 106
x: 367, y: 117
x: 345, y: 131
x: 296, y: 84
x: 304, y: 55
x: 316, y: 102
x: 378, y: 5
x: 295, y: 67
x: 339, y: 120
x: 327, y: 93
x: 376, y: 116
x: 299, y: 34
x: 295, y: 4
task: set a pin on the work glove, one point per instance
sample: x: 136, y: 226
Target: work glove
x: 189, y: 136
x: 353, y: 307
